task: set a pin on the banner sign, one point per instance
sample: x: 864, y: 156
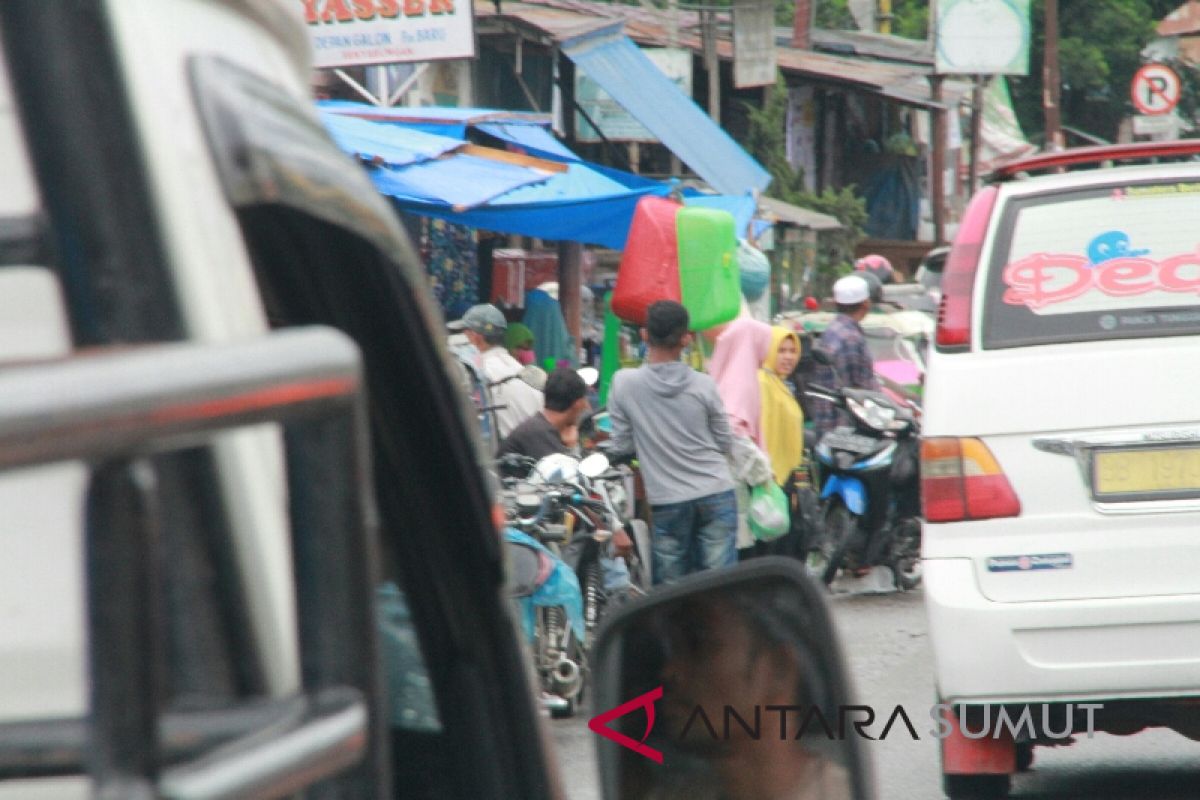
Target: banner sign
x: 347, y: 33
x: 982, y: 37
x: 753, y: 43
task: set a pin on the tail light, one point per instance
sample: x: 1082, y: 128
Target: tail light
x: 961, y: 480
x: 958, y: 276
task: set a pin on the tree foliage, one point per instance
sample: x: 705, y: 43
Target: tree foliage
x: 765, y: 140
x: 1100, y: 45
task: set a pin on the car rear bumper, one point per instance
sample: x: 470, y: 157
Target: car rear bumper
x: 1108, y: 649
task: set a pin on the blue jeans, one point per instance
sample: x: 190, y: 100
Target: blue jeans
x: 694, y: 535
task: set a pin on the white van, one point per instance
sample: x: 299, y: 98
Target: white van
x: 1061, y: 457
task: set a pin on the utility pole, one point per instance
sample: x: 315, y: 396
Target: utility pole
x: 1051, y: 82
x: 976, y: 131
x: 712, y: 63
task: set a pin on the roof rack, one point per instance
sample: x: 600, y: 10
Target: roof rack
x: 1080, y: 156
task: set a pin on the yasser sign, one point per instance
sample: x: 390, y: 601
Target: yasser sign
x: 346, y: 33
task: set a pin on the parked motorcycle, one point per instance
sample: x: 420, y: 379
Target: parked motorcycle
x: 550, y: 608
x: 621, y: 482
x: 569, y: 510
x: 869, y: 487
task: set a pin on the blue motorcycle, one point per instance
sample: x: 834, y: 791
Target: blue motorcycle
x: 869, y: 482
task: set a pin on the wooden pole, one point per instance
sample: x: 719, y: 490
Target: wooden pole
x: 708, y: 29
x: 1051, y: 81
x: 976, y: 131
x: 570, y: 281
x: 937, y: 169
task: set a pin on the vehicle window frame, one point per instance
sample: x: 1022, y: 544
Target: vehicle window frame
x: 446, y: 555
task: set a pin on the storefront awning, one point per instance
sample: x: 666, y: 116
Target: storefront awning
x: 622, y: 70
x: 479, y: 187
x: 533, y: 139
x: 528, y: 131
x: 586, y: 203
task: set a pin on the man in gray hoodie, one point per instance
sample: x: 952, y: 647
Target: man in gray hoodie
x: 673, y: 418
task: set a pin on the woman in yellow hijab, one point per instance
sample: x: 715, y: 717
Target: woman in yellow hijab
x: 782, y: 423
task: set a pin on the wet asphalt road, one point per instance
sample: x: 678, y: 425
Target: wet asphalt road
x: 885, y: 643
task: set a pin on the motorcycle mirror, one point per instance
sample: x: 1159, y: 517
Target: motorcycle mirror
x: 589, y: 374
x: 755, y: 640
x: 594, y: 465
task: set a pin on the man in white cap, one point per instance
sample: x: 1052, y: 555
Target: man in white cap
x: 846, y: 345
x: 515, y: 400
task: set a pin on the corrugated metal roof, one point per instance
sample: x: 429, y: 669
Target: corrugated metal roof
x: 625, y: 72
x: 866, y: 44
x: 905, y: 84
x: 553, y: 23
x: 1182, y: 21
x: 779, y: 211
x: 433, y: 114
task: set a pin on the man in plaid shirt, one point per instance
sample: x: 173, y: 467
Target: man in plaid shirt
x: 846, y: 345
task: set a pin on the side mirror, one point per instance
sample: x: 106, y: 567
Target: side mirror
x: 594, y: 465
x: 726, y: 684
x: 821, y: 357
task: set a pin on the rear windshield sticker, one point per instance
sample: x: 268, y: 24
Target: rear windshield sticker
x: 1155, y: 190
x: 1043, y: 279
x: 1028, y: 563
x: 1110, y: 245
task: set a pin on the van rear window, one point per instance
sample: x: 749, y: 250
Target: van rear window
x: 1115, y: 262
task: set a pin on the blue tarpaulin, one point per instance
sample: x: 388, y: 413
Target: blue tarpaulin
x: 586, y: 203
x: 527, y: 130
x: 534, y: 139
x: 389, y: 144
x: 612, y: 60
x: 423, y: 175
x: 459, y: 181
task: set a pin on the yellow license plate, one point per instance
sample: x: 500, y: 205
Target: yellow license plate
x: 1162, y: 470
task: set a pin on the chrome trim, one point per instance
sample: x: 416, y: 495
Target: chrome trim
x: 1146, y: 507
x: 262, y: 767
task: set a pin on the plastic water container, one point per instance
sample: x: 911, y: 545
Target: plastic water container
x: 649, y: 269
x: 708, y: 270
x: 754, y: 270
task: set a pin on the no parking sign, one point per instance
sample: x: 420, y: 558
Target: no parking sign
x: 1155, y: 89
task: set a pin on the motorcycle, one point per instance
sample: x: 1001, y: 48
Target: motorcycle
x: 621, y: 487
x: 550, y: 607
x: 569, y: 510
x: 869, y: 487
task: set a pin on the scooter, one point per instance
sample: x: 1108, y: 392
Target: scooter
x: 869, y: 487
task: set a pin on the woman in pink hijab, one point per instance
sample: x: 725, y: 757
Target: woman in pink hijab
x: 741, y: 347
x: 740, y: 350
